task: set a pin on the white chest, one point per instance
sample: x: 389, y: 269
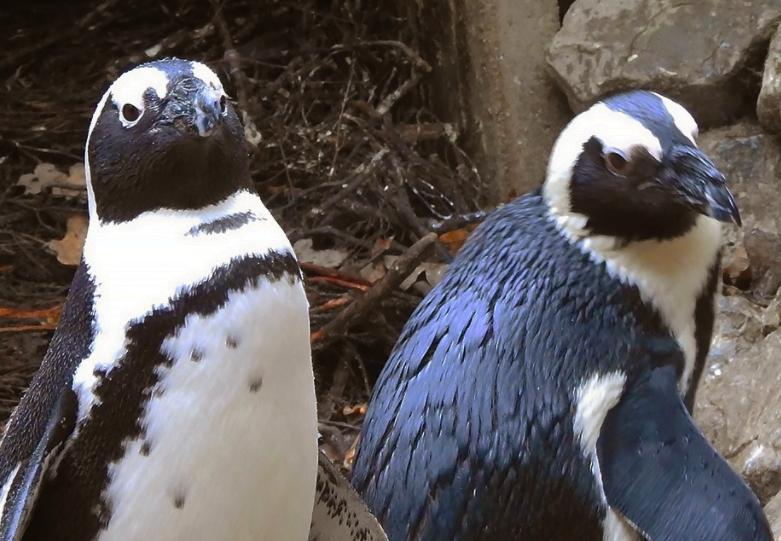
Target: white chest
x: 229, y: 449
x: 671, y: 275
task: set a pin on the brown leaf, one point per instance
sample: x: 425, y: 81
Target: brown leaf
x: 359, y: 409
x: 69, y: 248
x: 738, y: 271
x: 454, y: 240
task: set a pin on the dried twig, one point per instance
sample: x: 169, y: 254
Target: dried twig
x: 456, y: 221
x: 47, y: 41
x: 395, y: 275
x: 232, y: 57
x: 391, y: 99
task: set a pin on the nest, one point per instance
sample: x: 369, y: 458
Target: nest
x: 347, y: 155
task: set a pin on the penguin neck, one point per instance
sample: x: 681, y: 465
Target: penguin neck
x: 139, y: 263
x: 670, y: 274
x: 143, y: 263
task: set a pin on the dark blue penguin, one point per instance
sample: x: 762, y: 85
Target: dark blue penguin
x: 542, y: 390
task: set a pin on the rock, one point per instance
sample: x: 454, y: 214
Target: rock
x: 761, y: 469
x: 737, y: 408
x: 771, y: 319
x: 769, y: 103
x: 692, y: 52
x: 764, y: 254
x: 491, y: 77
x: 773, y: 512
x: 739, y: 326
x: 751, y: 161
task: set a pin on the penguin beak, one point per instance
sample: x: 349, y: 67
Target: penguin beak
x: 194, y: 109
x: 207, y: 113
x: 699, y: 185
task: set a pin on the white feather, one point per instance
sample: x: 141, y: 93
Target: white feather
x: 139, y: 265
x: 593, y: 399
x: 232, y: 437
x: 243, y: 462
x: 6, y: 487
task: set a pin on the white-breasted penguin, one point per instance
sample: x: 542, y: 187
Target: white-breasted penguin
x: 540, y: 390
x: 176, y: 401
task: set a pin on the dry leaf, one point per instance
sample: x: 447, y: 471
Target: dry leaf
x: 69, y: 248
x: 47, y: 174
x: 433, y: 273
x: 454, y: 240
x: 381, y: 245
x: 738, y: 271
x: 373, y: 271
x: 325, y: 258
x: 77, y: 178
x: 359, y: 409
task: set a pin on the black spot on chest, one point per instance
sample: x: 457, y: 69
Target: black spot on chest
x: 70, y: 506
x: 221, y: 225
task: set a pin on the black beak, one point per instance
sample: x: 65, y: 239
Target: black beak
x: 195, y: 109
x: 701, y: 186
x: 207, y: 111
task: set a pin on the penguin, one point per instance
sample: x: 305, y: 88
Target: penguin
x: 176, y: 400
x: 542, y: 391
x: 339, y: 513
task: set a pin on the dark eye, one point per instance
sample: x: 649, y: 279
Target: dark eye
x: 617, y: 163
x: 223, y: 104
x: 130, y: 112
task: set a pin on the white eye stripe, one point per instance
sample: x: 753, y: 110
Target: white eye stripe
x: 683, y: 120
x: 207, y: 75
x: 130, y: 88
x: 613, y: 129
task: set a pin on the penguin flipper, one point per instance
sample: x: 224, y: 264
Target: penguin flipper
x: 661, y: 474
x: 23, y: 482
x: 339, y: 513
x: 46, y: 416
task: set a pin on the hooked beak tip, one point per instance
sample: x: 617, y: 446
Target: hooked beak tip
x: 721, y: 204
x: 704, y: 185
x: 725, y: 214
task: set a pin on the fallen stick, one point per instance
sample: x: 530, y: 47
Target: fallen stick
x: 398, y: 271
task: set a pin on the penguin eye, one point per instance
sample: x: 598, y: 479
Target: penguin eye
x: 617, y: 162
x: 223, y: 104
x: 130, y: 113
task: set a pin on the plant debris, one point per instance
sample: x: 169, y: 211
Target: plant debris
x: 345, y: 154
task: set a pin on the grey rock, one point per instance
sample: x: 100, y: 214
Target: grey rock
x: 773, y: 512
x: 751, y: 161
x: 738, y: 403
x: 769, y: 103
x: 761, y: 469
x: 764, y: 253
x: 738, y: 326
x: 693, y: 52
x: 488, y: 57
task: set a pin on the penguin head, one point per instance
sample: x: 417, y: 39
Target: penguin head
x: 164, y: 136
x: 629, y: 168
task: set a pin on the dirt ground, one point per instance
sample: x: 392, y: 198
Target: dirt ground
x: 348, y: 157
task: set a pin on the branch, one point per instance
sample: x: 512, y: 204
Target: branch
x: 233, y: 58
x: 399, y: 270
